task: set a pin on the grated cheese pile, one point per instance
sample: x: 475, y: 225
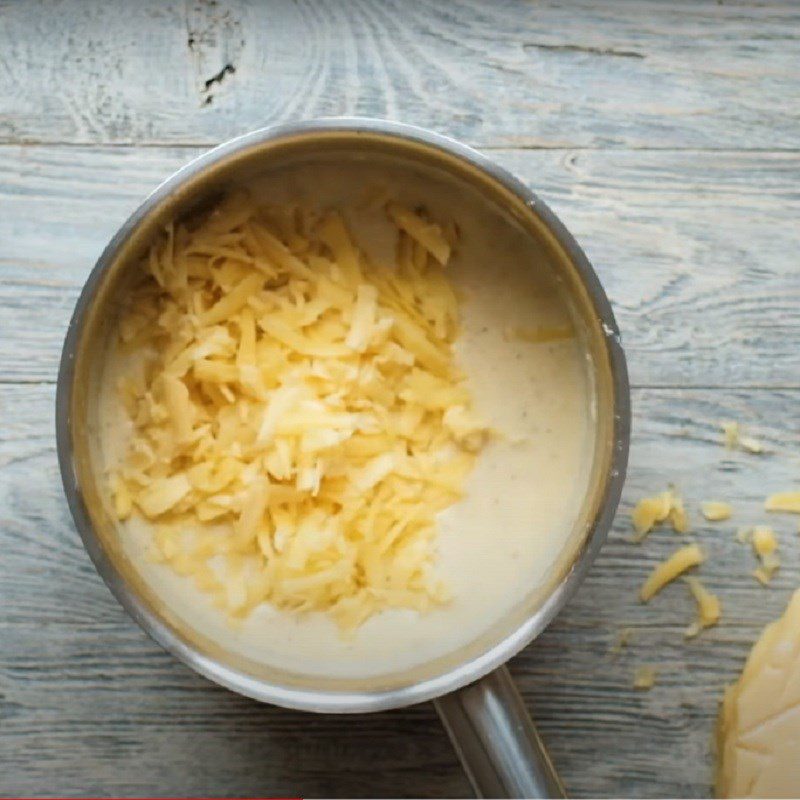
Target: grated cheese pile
x: 298, y: 417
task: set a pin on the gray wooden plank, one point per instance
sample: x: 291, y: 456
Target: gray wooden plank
x: 697, y: 250
x: 635, y: 74
x: 89, y: 705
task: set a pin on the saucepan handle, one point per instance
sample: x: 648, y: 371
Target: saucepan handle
x: 495, y: 738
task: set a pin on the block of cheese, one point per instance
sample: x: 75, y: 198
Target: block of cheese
x: 758, y: 732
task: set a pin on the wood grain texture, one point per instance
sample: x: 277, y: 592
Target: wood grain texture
x: 512, y: 72
x: 89, y: 705
x: 666, y: 136
x: 697, y: 251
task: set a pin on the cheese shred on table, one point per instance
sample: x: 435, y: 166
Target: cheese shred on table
x: 682, y: 559
x: 708, y: 607
x: 298, y: 416
x: 650, y: 511
x: 765, y: 546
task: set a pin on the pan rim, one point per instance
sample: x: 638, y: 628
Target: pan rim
x: 465, y: 672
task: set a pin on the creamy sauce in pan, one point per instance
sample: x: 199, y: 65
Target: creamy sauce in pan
x: 523, y: 497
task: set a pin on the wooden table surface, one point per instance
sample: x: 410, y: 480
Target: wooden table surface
x: 665, y: 134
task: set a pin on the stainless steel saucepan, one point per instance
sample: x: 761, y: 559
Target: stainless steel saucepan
x: 478, y: 703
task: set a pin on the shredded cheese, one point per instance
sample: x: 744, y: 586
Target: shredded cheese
x: 784, y: 501
x: 730, y: 432
x: 744, y: 535
x: 764, y: 541
x: 751, y: 445
x: 648, y: 512
x: 734, y: 440
x: 624, y: 636
x: 429, y: 235
x: 678, y: 517
x: 716, y: 511
x: 298, y: 416
x: 644, y: 677
x: 708, y: 607
x: 765, y: 546
x: 682, y: 559
x: 651, y: 511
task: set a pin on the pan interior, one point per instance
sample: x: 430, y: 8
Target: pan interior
x: 534, y: 495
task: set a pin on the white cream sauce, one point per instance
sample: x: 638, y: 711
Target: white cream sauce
x: 523, y: 498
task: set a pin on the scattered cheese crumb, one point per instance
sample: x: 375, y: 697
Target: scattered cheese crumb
x: 648, y: 512
x: 678, y: 517
x: 644, y: 677
x: 715, y: 511
x: 764, y: 546
x: 771, y: 563
x: 784, y: 501
x: 730, y: 430
x: 298, y: 416
x: 762, y: 575
x: 708, y: 607
x: 624, y: 636
x: 744, y: 535
x: 751, y: 445
x: 682, y: 559
x: 764, y: 541
x: 652, y: 510
x: 735, y: 441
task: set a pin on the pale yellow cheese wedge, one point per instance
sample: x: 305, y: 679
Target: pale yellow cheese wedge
x: 758, y: 732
